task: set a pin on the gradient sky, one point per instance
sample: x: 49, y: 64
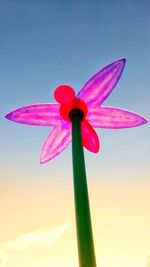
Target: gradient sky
x: 44, y: 44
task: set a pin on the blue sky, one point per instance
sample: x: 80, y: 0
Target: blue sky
x: 47, y: 43
x: 44, y: 44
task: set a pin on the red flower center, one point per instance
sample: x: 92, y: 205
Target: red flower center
x: 65, y: 95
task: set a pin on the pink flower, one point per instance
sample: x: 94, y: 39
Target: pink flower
x: 89, y: 100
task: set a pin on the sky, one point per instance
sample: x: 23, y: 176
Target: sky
x: 44, y: 44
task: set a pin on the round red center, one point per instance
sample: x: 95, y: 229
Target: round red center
x: 65, y: 95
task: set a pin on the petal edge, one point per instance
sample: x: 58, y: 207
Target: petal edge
x: 114, y: 118
x: 36, y: 115
x: 99, y: 87
x: 58, y: 139
x: 90, y: 138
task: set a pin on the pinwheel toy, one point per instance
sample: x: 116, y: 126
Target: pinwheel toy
x: 75, y: 117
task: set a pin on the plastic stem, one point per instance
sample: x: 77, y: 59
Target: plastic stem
x: 85, y: 242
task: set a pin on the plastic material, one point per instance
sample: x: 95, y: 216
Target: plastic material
x: 99, y: 87
x: 58, y: 139
x: 82, y: 209
x: 64, y: 94
x: 76, y: 103
x: 113, y: 118
x: 88, y: 100
x: 37, y: 114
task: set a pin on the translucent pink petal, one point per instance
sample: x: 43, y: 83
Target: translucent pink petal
x: 98, y: 88
x: 90, y: 139
x: 37, y: 114
x: 109, y: 117
x: 56, y: 142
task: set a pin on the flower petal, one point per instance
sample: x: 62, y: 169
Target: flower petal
x: 98, y: 88
x: 90, y: 139
x: 56, y: 142
x: 109, y: 117
x: 37, y: 114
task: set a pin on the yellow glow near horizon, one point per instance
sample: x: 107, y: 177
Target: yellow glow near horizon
x: 120, y: 218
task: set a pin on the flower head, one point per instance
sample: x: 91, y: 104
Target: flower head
x: 88, y: 101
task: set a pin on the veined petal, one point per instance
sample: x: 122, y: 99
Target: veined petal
x: 110, y: 117
x: 90, y: 139
x: 37, y: 114
x: 98, y: 88
x: 56, y: 142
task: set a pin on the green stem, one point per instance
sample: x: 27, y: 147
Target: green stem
x: 86, y: 251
